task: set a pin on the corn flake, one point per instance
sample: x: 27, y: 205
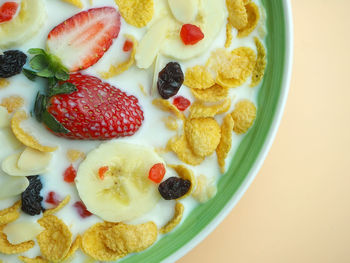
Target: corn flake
x: 7, y: 248
x: 259, y: 69
x: 171, y: 123
x: 186, y: 174
x: 225, y: 144
x: 57, y: 208
x: 23, y: 136
x: 179, y: 210
x: 12, y: 103
x: 33, y: 260
x: 198, y: 77
x: 253, y: 19
x: 136, y: 12
x: 55, y: 240
x: 166, y: 105
x: 244, y: 116
x: 4, y: 83
x: 200, y: 110
x: 124, y: 66
x: 215, y: 93
x: 205, y: 189
x: 229, y: 35
x: 238, y: 16
x: 181, y: 148
x: 10, y: 214
x: 74, y: 155
x: 74, y: 247
x: 76, y: 3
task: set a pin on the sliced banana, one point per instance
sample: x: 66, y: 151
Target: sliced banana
x: 184, y: 11
x: 19, y: 232
x: 4, y: 117
x: 125, y: 192
x: 211, y: 17
x: 25, y: 25
x: 12, y: 186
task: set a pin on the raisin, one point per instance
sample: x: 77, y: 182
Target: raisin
x: 31, y: 198
x: 170, y: 80
x: 11, y: 63
x: 174, y: 188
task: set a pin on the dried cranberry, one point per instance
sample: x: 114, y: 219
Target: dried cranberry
x: 170, y: 80
x: 191, y: 34
x: 157, y: 172
x: 181, y: 103
x: 52, y: 198
x: 174, y: 188
x: 82, y: 210
x: 128, y: 45
x: 69, y: 174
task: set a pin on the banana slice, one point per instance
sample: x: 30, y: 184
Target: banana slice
x: 211, y: 17
x: 19, y: 232
x: 184, y: 11
x: 125, y: 192
x: 12, y: 186
x: 25, y: 25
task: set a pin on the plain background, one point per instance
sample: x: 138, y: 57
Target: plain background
x: 298, y: 207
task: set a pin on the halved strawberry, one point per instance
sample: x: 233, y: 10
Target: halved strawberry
x: 8, y: 11
x: 82, y: 40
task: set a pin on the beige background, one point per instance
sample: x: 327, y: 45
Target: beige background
x: 298, y: 208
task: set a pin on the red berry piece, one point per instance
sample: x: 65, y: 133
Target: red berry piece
x: 191, y: 34
x: 102, y: 171
x: 53, y: 198
x: 128, y: 45
x: 157, y: 172
x: 69, y: 174
x: 8, y: 11
x: 82, y: 210
x: 181, y: 103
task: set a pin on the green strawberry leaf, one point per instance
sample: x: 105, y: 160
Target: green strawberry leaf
x: 62, y: 74
x: 30, y: 74
x: 46, y: 73
x: 36, y: 51
x: 39, y: 62
x: 52, y: 123
x: 65, y: 88
x: 40, y: 106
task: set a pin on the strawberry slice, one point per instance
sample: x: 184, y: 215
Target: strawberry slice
x: 8, y: 11
x: 82, y: 40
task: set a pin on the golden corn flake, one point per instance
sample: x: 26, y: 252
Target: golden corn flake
x: 215, y: 93
x: 136, y: 12
x: 181, y: 148
x: 203, y: 135
x: 179, y: 211
x: 238, y: 16
x: 253, y: 19
x: 198, y: 77
x: 225, y: 144
x: 23, y: 136
x: 222, y: 62
x: 229, y: 35
x: 33, y: 260
x: 74, y: 155
x: 4, y: 83
x: 200, y: 110
x: 171, y: 123
x: 244, y: 116
x: 74, y: 247
x: 124, y: 66
x: 57, y: 208
x: 142, y: 89
x: 10, y: 214
x: 166, y: 105
x: 127, y: 239
x: 55, y: 240
x: 259, y: 69
x: 12, y: 103
x: 7, y: 248
x: 205, y: 189
x: 77, y: 3
x: 186, y: 174
x: 93, y: 243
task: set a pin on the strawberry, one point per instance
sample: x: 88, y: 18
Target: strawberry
x: 82, y: 40
x: 8, y: 11
x: 95, y: 111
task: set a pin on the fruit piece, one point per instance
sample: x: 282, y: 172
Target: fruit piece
x: 191, y: 34
x: 244, y: 116
x: 12, y: 186
x: 19, y: 232
x: 74, y: 155
x: 52, y: 198
x: 82, y: 210
x: 170, y: 80
x: 77, y: 3
x: 128, y: 45
x: 156, y: 173
x: 8, y: 11
x: 184, y: 11
x: 174, y: 188
x: 102, y: 171
x: 95, y: 114
x: 126, y: 192
x: 11, y: 62
x: 181, y: 103
x: 25, y: 25
x: 69, y: 174
x: 31, y: 198
x: 82, y: 40
x: 33, y: 160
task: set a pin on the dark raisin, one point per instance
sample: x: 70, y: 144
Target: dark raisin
x: 31, y: 198
x: 170, y: 80
x: 174, y: 188
x: 11, y: 63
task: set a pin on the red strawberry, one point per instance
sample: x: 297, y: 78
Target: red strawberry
x: 81, y: 40
x: 7, y: 11
x: 96, y: 111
